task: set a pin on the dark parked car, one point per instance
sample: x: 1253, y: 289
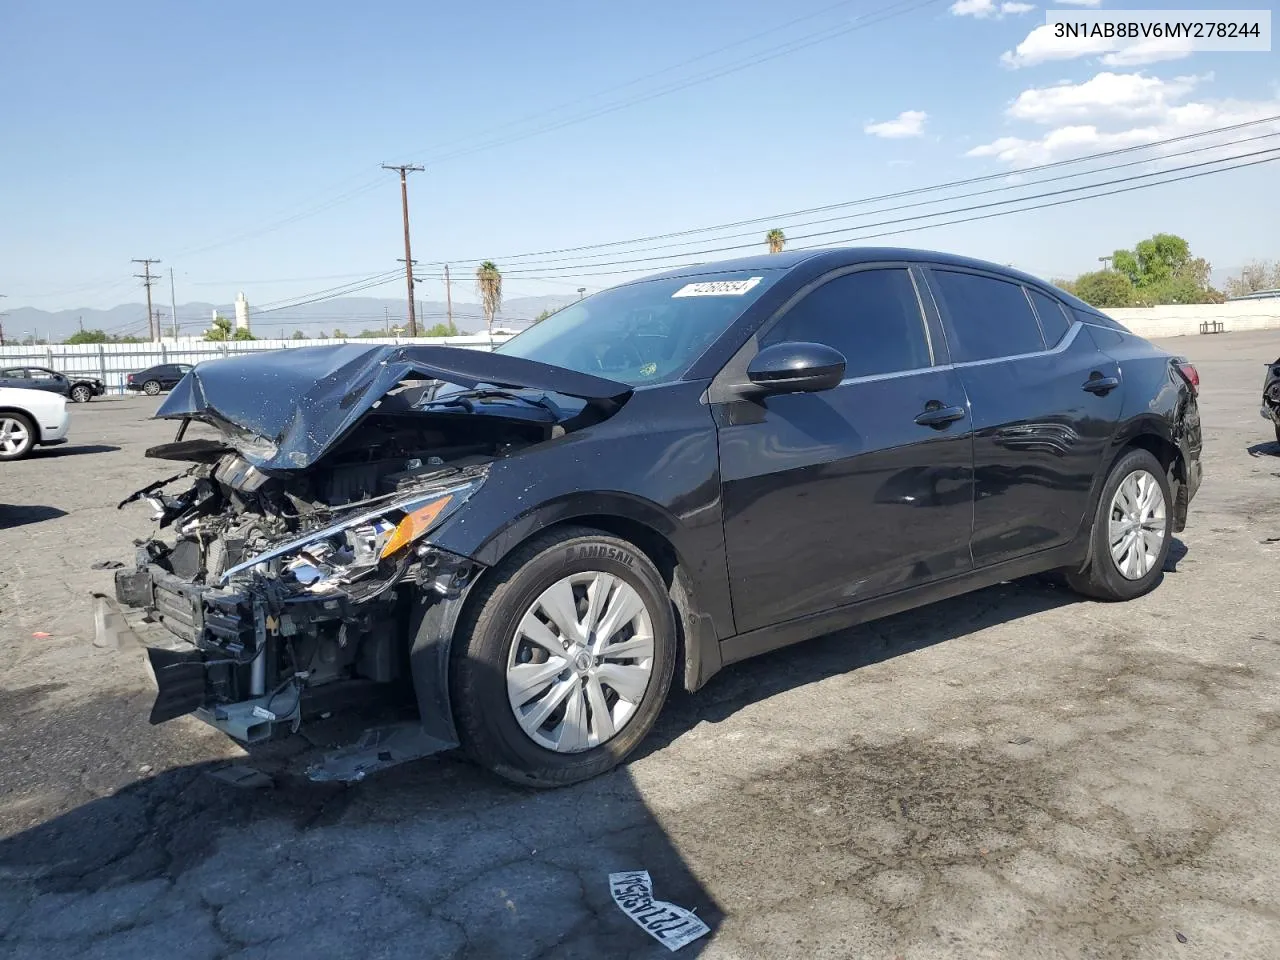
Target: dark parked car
x: 653, y: 483
x: 153, y: 380
x: 77, y: 388
x: 1271, y: 396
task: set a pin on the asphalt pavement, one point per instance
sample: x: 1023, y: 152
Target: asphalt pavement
x: 1016, y: 773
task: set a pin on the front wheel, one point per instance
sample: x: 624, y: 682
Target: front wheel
x: 1132, y: 531
x: 563, y: 659
x: 81, y: 394
x: 17, y: 436
x: 151, y: 388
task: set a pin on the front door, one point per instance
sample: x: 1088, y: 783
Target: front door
x: 836, y: 497
x: 1045, y: 404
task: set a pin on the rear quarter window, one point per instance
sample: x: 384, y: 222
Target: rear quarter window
x: 989, y: 318
x: 1053, y: 317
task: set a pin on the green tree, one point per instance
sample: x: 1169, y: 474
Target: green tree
x: 542, y: 316
x: 1105, y: 288
x: 441, y: 330
x: 242, y: 334
x: 221, y: 329
x: 339, y: 335
x: 1256, y: 275
x: 371, y: 333
x: 299, y: 335
x: 87, y: 336
x: 489, y: 286
x: 776, y: 240
x: 1161, y: 269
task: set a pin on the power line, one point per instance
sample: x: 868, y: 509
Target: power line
x: 862, y: 201
x: 925, y: 216
x: 984, y: 216
x: 784, y: 221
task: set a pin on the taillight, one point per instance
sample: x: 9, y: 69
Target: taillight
x: 1189, y: 374
x: 130, y: 378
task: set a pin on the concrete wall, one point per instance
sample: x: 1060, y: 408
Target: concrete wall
x: 1179, y: 320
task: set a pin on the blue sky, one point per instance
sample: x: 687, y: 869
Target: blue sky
x: 182, y: 131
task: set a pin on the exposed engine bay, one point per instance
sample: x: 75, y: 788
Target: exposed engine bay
x: 283, y: 585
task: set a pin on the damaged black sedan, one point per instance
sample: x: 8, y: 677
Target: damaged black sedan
x: 524, y: 548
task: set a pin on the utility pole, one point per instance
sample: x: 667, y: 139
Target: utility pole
x: 2, y: 325
x: 81, y: 320
x: 147, y: 280
x: 173, y: 302
x: 406, y: 168
x: 448, y: 295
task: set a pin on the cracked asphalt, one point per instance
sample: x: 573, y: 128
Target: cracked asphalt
x: 1016, y: 773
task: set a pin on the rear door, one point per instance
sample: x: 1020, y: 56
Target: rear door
x: 835, y: 497
x: 43, y: 379
x: 1045, y: 404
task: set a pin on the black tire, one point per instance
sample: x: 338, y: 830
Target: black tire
x: 1278, y: 433
x: 487, y: 726
x: 1101, y: 580
x: 24, y: 448
x: 81, y: 394
x: 151, y: 388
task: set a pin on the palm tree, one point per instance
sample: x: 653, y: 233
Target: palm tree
x: 775, y: 238
x: 489, y: 286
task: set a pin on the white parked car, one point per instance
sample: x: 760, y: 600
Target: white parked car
x: 30, y: 419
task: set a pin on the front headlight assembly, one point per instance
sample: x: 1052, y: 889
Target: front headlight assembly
x: 347, y: 551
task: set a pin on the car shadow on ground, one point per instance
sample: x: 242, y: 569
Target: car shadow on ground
x: 1270, y: 448
x: 18, y: 515
x: 76, y: 450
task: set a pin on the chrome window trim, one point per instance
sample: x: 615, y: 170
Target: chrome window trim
x: 1063, y: 344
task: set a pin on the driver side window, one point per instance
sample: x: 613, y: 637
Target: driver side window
x: 871, y: 316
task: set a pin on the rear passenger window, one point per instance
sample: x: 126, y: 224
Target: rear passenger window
x: 871, y: 316
x: 1053, y: 319
x: 989, y: 318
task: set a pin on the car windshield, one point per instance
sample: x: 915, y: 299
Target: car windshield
x: 642, y: 333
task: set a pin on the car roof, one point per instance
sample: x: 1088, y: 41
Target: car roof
x: 831, y: 258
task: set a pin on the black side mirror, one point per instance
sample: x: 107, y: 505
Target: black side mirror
x: 796, y: 367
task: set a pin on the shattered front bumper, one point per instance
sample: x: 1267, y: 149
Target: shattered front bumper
x: 214, y: 664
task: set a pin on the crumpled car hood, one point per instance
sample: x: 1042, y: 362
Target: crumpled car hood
x: 284, y: 409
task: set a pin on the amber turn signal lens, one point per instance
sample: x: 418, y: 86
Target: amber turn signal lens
x: 415, y: 524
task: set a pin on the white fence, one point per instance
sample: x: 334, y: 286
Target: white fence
x: 110, y: 362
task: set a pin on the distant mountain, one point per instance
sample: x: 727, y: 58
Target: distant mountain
x: 348, y: 314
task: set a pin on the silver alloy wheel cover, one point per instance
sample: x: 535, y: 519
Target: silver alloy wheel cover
x: 572, y: 686
x: 80, y: 394
x: 151, y: 388
x: 14, y: 437
x: 1136, y: 525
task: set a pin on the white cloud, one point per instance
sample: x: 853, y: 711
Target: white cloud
x: 909, y: 123
x: 1111, y: 111
x: 1041, y: 47
x: 989, y: 9
x: 1129, y: 96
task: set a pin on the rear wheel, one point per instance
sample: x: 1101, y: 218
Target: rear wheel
x: 1131, y: 531
x: 563, y: 659
x: 17, y: 436
x: 151, y: 388
x: 81, y: 394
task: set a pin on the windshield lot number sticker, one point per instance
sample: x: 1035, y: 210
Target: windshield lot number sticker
x: 717, y: 288
x: 670, y: 925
